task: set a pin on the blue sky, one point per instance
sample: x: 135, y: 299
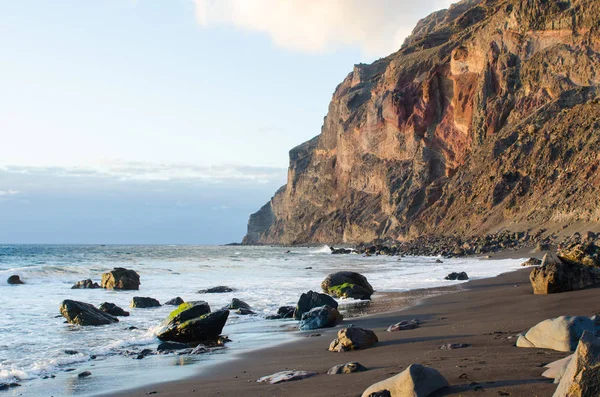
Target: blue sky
x: 154, y: 121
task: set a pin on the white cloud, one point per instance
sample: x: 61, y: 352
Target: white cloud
x: 377, y: 27
x: 9, y: 192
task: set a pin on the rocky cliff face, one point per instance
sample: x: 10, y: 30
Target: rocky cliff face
x: 487, y: 118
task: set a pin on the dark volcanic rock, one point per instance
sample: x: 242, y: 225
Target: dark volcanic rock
x: 113, y: 309
x: 320, y: 317
x: 171, y: 346
x: 337, y: 251
x: 121, y: 279
x: 85, y: 284
x: 310, y: 300
x: 14, y: 280
x: 205, y: 328
x: 286, y: 311
x: 81, y: 313
x: 347, y: 285
x: 457, y: 276
x: 144, y: 302
x: 238, y: 304
x: 175, y: 302
x: 216, y: 290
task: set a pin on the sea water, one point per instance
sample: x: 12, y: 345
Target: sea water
x: 34, y: 338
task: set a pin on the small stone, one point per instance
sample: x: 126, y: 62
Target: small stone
x: 84, y: 374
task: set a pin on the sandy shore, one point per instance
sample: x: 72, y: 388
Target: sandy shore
x: 486, y: 314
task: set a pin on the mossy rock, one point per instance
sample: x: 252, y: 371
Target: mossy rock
x: 187, y: 311
x: 202, y: 329
x: 347, y: 285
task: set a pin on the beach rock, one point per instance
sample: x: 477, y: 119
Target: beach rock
x: 582, y: 375
x: 203, y: 329
x: 310, y: 300
x: 347, y: 285
x: 353, y: 338
x: 112, y: 309
x: 454, y: 346
x: 187, y: 311
x: 286, y: 376
x: 244, y: 312
x: 438, y: 261
x: 85, y: 284
x: 6, y: 386
x: 561, y: 333
x: 541, y: 247
x: 171, y: 346
x: 404, y: 325
x: 555, y: 277
x: 556, y: 369
x: 238, y: 304
x: 14, y: 280
x: 120, y: 279
x: 337, y: 251
x: 320, y: 317
x: 70, y: 352
x: 174, y: 302
x: 415, y: 381
x: 347, y: 368
x: 286, y: 311
x: 586, y: 254
x: 84, y: 374
x: 457, y: 276
x: 216, y: 290
x: 82, y: 313
x: 532, y: 262
x: 142, y: 302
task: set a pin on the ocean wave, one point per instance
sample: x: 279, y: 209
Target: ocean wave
x: 323, y: 250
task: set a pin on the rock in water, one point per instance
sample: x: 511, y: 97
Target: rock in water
x: 189, y: 324
x: 286, y: 311
x: 347, y: 368
x: 174, y: 302
x: 85, y: 284
x: 310, y: 300
x: 582, y: 375
x: 457, y: 276
x: 561, y: 333
x: 414, y: 381
x: 113, y: 309
x: 555, y: 277
x: 320, y: 317
x: 171, y: 346
x: 353, y: 338
x: 144, y: 302
x: 121, y: 279
x: 347, y: 285
x: 82, y: 313
x: 14, y: 280
x: 586, y: 254
x: 238, y: 304
x: 286, y: 376
x: 216, y: 290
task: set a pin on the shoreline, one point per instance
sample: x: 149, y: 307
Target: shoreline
x: 485, y: 313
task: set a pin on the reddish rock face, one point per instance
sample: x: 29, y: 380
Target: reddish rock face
x: 486, y: 118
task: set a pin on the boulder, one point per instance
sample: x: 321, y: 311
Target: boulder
x: 404, y: 325
x: 310, y: 300
x: 216, y: 290
x: 347, y: 285
x: 286, y: 376
x: 203, y: 329
x: 320, y: 317
x: 14, y: 280
x: 171, y: 346
x: 457, y: 276
x: 174, y: 302
x: 586, y: 254
x: 82, y: 313
x: 532, y: 262
x: 337, y: 251
x: 286, y: 311
x: 238, y: 304
x: 353, y: 338
x: 555, y: 277
x: 187, y: 311
x: 556, y: 369
x: 120, y: 279
x: 347, y: 368
x: 415, y: 381
x: 142, y: 302
x: 561, y: 333
x: 581, y: 377
x: 85, y: 284
x: 112, y: 309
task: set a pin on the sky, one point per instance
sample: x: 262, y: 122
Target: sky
x: 168, y: 122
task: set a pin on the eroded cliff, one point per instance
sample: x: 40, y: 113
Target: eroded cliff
x: 487, y: 118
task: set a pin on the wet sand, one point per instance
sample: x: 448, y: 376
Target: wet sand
x: 487, y: 314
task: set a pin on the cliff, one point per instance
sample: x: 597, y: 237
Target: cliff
x: 487, y: 118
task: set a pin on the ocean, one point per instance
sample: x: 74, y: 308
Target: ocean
x: 44, y: 354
